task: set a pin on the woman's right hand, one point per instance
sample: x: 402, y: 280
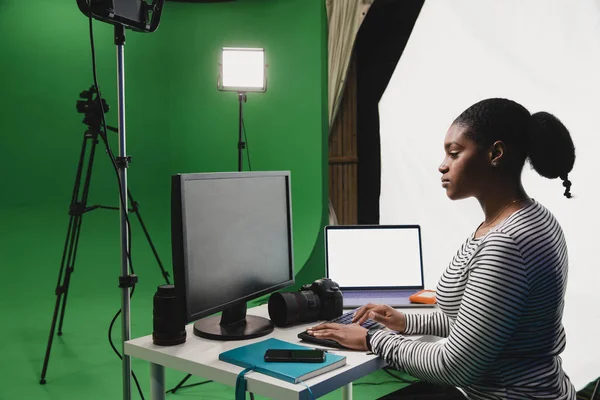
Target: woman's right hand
x: 382, y: 313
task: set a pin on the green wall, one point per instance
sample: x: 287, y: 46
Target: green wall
x: 176, y: 122
x: 176, y: 119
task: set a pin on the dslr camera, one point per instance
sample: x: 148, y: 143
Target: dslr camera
x: 321, y: 300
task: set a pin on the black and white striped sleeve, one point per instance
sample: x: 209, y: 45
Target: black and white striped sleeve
x: 494, y: 298
x: 437, y: 324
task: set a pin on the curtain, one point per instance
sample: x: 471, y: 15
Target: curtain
x: 344, y: 18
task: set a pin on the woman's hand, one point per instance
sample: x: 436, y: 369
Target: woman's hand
x: 384, y: 314
x: 352, y: 336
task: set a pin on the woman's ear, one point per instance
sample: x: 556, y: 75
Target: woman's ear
x: 497, y: 153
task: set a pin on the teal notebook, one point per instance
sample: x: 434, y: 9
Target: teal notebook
x: 252, y: 356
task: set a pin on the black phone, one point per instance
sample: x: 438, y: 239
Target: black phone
x: 304, y: 356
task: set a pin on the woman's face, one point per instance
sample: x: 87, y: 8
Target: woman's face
x: 466, y: 166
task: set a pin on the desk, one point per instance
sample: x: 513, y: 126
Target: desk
x: 200, y: 357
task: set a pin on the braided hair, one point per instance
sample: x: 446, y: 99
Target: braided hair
x: 539, y: 138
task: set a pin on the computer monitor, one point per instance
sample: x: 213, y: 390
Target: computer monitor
x: 231, y: 242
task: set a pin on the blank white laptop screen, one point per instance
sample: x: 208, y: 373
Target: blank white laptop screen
x: 375, y: 257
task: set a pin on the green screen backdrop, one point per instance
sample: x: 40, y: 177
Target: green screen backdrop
x: 177, y: 122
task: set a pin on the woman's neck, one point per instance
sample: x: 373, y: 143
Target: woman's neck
x: 501, y: 201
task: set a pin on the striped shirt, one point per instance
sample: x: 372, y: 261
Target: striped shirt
x: 501, y: 301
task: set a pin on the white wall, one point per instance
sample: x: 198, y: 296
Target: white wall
x: 544, y: 54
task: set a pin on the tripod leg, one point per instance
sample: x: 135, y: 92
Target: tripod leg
x: 59, y: 292
x: 76, y: 211
x: 136, y: 209
x: 64, y: 302
x: 70, y: 268
x: 180, y: 384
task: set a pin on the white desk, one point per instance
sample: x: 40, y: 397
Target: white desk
x: 200, y: 357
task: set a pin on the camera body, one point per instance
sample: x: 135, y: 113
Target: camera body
x: 329, y: 294
x: 320, y: 300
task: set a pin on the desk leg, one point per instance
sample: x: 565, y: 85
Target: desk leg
x: 347, y: 392
x: 157, y: 382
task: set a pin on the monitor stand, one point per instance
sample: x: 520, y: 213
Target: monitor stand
x: 233, y: 324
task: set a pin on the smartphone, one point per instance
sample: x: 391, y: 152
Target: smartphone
x: 304, y: 356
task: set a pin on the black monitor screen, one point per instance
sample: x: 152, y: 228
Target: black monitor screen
x: 232, y: 242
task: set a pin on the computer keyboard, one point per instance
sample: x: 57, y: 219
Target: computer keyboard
x: 345, y: 318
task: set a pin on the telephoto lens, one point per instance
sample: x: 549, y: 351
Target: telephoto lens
x: 321, y: 300
x: 287, y: 309
x: 168, y: 324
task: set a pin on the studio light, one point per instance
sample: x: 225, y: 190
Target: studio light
x: 242, y: 70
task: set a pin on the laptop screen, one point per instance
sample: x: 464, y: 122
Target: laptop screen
x: 374, y: 256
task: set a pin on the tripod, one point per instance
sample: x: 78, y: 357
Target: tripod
x: 78, y: 207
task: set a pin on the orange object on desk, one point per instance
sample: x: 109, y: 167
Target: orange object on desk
x: 424, y: 296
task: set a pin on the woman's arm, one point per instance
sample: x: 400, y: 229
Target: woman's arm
x: 437, y: 324
x: 494, y: 298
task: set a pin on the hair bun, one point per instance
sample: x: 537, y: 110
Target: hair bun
x: 550, y: 149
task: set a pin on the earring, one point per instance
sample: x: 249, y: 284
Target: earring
x: 494, y: 163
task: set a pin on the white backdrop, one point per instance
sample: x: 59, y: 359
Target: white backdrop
x: 544, y: 54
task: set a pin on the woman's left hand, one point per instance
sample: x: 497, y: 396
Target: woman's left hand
x: 352, y: 336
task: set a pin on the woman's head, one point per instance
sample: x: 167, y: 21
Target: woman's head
x: 494, y: 137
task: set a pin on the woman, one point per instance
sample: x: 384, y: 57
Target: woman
x: 502, y: 296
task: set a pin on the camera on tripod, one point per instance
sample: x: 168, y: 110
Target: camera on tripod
x: 92, y: 107
x: 321, y: 300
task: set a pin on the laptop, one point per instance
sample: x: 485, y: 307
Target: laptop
x: 381, y: 264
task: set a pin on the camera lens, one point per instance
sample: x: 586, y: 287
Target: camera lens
x: 287, y: 309
x: 169, y: 328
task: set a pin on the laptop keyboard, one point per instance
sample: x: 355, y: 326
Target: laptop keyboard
x: 346, y: 319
